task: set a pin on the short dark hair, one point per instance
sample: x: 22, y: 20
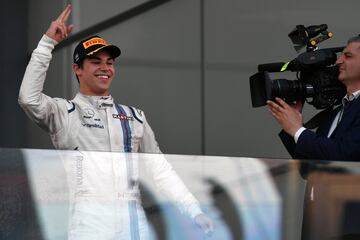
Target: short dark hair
x: 80, y: 65
x: 354, y: 39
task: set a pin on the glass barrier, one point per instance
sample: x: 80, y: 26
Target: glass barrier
x: 51, y: 194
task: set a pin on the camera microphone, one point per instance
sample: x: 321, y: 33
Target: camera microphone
x: 271, y: 67
x: 278, y: 66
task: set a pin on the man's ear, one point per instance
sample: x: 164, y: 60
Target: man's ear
x: 76, y: 68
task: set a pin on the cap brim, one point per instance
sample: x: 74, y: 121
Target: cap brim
x: 112, y: 49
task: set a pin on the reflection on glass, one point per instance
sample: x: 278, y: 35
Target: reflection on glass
x: 101, y: 195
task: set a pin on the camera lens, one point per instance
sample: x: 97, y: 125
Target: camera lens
x: 288, y: 90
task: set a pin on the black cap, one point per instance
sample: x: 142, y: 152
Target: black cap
x: 92, y: 45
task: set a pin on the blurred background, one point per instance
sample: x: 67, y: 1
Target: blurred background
x: 186, y: 63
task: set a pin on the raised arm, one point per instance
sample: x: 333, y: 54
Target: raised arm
x: 42, y: 109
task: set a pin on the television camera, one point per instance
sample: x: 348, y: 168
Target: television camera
x: 317, y: 75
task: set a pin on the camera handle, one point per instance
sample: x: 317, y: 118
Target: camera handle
x: 312, y: 44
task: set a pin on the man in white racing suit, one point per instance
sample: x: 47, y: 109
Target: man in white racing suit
x: 93, y: 121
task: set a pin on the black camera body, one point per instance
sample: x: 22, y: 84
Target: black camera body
x: 317, y: 73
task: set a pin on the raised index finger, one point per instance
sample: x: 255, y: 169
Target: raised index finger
x: 65, y: 14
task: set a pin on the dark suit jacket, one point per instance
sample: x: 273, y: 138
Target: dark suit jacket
x: 343, y: 144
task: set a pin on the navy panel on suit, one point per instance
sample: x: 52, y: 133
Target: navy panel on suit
x: 343, y: 144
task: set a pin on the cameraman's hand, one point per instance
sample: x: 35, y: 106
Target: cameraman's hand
x: 58, y: 29
x: 289, y: 117
x: 298, y: 105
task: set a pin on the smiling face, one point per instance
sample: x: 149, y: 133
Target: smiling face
x: 96, y: 74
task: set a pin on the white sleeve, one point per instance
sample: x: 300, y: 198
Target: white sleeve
x: 298, y: 133
x: 165, y: 178
x: 42, y: 109
x: 170, y: 184
x: 148, y: 143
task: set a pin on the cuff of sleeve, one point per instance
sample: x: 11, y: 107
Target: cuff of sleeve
x: 46, y: 43
x: 298, y: 133
x: 194, y: 210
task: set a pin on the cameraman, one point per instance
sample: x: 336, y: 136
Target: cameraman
x: 338, y: 136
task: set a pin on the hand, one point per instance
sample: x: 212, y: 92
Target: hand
x: 58, y: 29
x: 205, y: 223
x: 289, y: 118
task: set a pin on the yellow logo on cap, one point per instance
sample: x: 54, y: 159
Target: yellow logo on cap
x: 94, y: 41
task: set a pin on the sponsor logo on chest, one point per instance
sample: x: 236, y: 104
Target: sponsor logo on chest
x: 93, y: 125
x: 123, y: 117
x: 88, y: 113
x: 90, y: 120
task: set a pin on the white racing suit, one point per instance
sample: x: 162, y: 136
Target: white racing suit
x: 108, y: 188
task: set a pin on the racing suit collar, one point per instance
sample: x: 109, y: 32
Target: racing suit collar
x: 100, y: 102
